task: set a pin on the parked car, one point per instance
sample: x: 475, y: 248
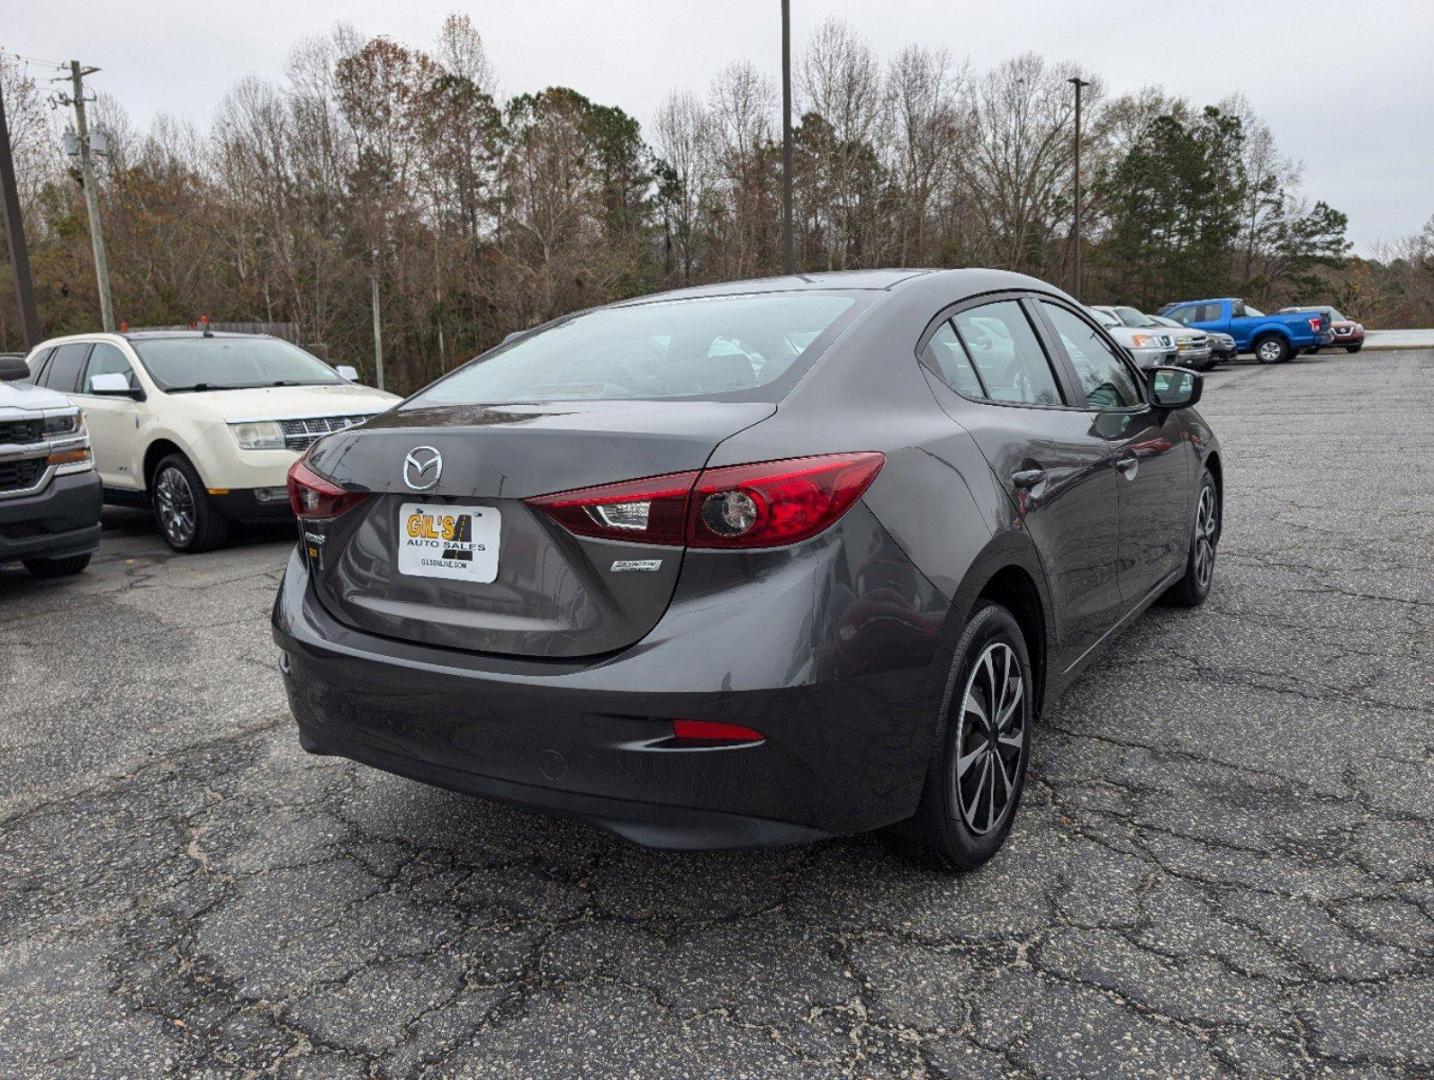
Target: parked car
x: 49, y: 493
x: 705, y: 597
x: 1222, y: 346
x: 1272, y: 338
x: 1348, y: 334
x: 200, y: 426
x: 1148, y: 348
x: 1192, y: 347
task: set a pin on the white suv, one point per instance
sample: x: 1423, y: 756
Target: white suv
x: 201, y: 426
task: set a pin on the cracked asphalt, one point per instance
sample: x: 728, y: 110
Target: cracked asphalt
x: 1224, y: 863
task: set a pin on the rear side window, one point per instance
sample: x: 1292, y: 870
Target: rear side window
x: 749, y: 347
x: 1007, y: 355
x: 37, y: 366
x: 946, y: 356
x: 107, y: 360
x: 63, y: 372
x: 1104, y: 374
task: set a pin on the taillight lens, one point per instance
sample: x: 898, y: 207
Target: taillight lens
x: 768, y: 504
x: 777, y: 502
x: 1315, y: 323
x: 313, y: 498
x: 650, y: 511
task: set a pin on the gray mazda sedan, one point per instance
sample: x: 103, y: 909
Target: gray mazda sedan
x: 748, y: 564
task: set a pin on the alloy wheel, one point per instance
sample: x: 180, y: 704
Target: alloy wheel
x: 1270, y: 351
x: 1207, y: 526
x: 991, y: 739
x: 174, y: 506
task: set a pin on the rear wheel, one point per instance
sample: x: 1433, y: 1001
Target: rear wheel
x: 1191, y: 590
x: 187, y: 517
x: 1272, y: 349
x: 974, y: 782
x: 53, y: 568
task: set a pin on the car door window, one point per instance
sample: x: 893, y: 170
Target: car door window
x: 1104, y: 374
x: 107, y: 360
x: 37, y: 366
x: 63, y: 372
x: 946, y: 356
x: 1006, y: 354
x: 1207, y: 313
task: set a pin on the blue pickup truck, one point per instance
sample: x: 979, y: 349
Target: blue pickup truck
x: 1272, y: 338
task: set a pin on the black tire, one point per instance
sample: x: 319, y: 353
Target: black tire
x: 186, y: 515
x: 53, y: 568
x: 1271, y: 349
x: 944, y: 826
x: 1353, y: 348
x: 1194, y: 585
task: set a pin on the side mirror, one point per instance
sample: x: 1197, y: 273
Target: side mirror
x: 13, y: 369
x: 113, y: 384
x: 1175, y: 387
x: 347, y: 371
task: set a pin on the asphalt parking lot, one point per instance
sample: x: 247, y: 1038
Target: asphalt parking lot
x: 1224, y: 862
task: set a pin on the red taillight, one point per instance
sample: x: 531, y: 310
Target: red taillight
x: 313, y: 498
x: 650, y: 511
x: 768, y: 504
x: 776, y: 502
x: 710, y: 731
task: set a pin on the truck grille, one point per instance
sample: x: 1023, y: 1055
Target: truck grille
x: 301, y: 434
x: 22, y: 432
x: 19, y: 475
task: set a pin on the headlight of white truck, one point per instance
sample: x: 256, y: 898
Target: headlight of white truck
x: 64, y: 424
x: 259, y: 435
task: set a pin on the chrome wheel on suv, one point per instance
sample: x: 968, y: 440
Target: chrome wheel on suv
x: 187, y: 517
x: 174, y: 507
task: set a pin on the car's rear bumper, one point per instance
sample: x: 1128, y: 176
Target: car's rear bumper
x: 848, y: 716
x: 60, y: 521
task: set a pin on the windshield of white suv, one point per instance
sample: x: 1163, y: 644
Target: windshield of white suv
x: 1131, y: 317
x: 180, y: 364
x: 725, y: 347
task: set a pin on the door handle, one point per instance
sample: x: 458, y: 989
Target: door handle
x: 1027, y: 478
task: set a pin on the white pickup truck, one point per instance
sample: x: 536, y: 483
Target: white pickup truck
x: 49, y: 494
x: 201, y: 426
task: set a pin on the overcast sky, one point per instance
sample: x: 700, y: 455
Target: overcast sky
x: 1347, y: 86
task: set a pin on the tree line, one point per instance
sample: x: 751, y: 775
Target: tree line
x: 480, y: 214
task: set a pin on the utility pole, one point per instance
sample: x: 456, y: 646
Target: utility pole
x: 15, y: 238
x: 92, y: 195
x: 1078, y: 83
x: 788, y: 258
x: 377, y: 324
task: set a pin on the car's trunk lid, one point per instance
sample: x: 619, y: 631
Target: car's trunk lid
x: 552, y: 594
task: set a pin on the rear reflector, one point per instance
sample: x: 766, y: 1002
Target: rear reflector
x: 711, y: 731
x: 314, y: 498
x: 767, y: 504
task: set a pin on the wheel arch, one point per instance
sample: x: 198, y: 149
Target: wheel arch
x: 1009, y: 573
x: 159, y: 449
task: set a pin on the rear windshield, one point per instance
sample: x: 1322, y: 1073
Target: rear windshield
x: 230, y: 363
x: 749, y: 347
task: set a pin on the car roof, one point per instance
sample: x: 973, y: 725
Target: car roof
x: 958, y: 282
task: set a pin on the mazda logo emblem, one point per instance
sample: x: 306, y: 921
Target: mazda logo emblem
x: 422, y: 466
